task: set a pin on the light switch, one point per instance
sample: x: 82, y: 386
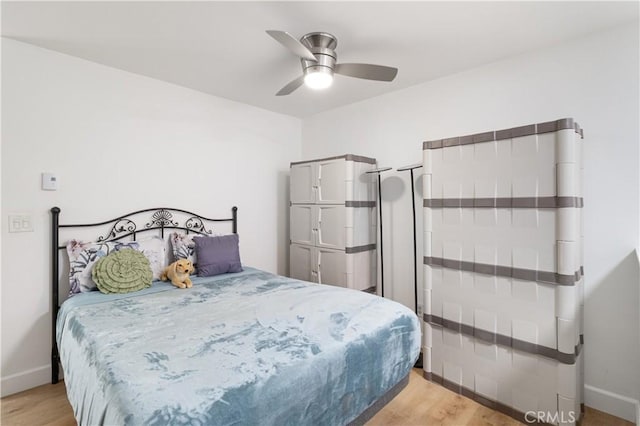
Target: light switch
x: 49, y: 182
x: 15, y: 223
x: 26, y: 224
x: 20, y: 223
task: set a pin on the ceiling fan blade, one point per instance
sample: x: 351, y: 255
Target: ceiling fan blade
x: 367, y: 71
x: 293, y: 85
x: 291, y: 43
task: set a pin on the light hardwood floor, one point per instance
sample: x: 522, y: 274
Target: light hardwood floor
x: 420, y: 403
x: 429, y: 404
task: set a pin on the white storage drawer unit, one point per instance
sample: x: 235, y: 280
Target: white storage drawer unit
x: 503, y: 268
x: 335, y: 267
x: 332, y: 226
x: 333, y: 222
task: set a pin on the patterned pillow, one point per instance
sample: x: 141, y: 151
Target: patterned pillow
x: 83, y: 255
x: 154, y: 250
x: 184, y: 247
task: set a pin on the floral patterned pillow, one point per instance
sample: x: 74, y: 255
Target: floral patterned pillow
x: 83, y: 255
x: 154, y: 249
x: 184, y: 247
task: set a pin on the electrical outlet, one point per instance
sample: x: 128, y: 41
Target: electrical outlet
x: 420, y: 311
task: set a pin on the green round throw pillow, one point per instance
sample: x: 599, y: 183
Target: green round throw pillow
x: 122, y: 271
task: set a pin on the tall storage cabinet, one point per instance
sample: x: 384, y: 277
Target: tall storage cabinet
x: 503, y: 269
x: 333, y: 222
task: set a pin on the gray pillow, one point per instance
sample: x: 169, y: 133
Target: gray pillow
x: 218, y: 255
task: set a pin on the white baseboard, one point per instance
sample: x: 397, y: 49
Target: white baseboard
x: 28, y: 379
x: 612, y: 403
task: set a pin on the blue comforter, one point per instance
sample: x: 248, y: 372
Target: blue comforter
x: 245, y: 348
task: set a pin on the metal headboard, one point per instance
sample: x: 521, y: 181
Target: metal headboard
x: 122, y: 227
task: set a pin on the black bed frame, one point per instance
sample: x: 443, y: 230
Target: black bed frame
x: 122, y: 227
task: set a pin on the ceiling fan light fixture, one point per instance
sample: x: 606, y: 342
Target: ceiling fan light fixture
x: 319, y: 62
x: 318, y: 78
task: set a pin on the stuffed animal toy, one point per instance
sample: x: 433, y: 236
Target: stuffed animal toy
x: 178, y: 273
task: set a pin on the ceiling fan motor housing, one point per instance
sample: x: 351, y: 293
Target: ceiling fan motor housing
x: 322, y: 45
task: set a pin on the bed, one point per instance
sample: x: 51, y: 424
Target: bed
x: 248, y: 347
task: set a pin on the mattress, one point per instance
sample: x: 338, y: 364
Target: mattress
x: 244, y: 348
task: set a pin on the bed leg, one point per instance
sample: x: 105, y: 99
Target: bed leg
x: 55, y: 366
x: 55, y: 289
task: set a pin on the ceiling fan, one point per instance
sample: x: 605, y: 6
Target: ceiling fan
x: 318, y: 58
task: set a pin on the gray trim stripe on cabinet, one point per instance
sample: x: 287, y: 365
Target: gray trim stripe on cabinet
x: 347, y: 250
x: 531, y: 129
x: 358, y: 249
x: 506, y: 271
x: 514, y: 203
x: 494, y: 405
x: 346, y: 204
x: 359, y: 203
x: 502, y: 340
x: 360, y: 159
x: 347, y: 157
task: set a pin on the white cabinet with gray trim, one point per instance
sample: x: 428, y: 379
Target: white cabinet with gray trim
x: 333, y: 222
x: 503, y: 269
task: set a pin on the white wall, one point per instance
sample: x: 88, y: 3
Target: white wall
x: 594, y: 80
x: 120, y: 142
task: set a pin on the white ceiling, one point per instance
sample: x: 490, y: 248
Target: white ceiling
x: 221, y: 48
